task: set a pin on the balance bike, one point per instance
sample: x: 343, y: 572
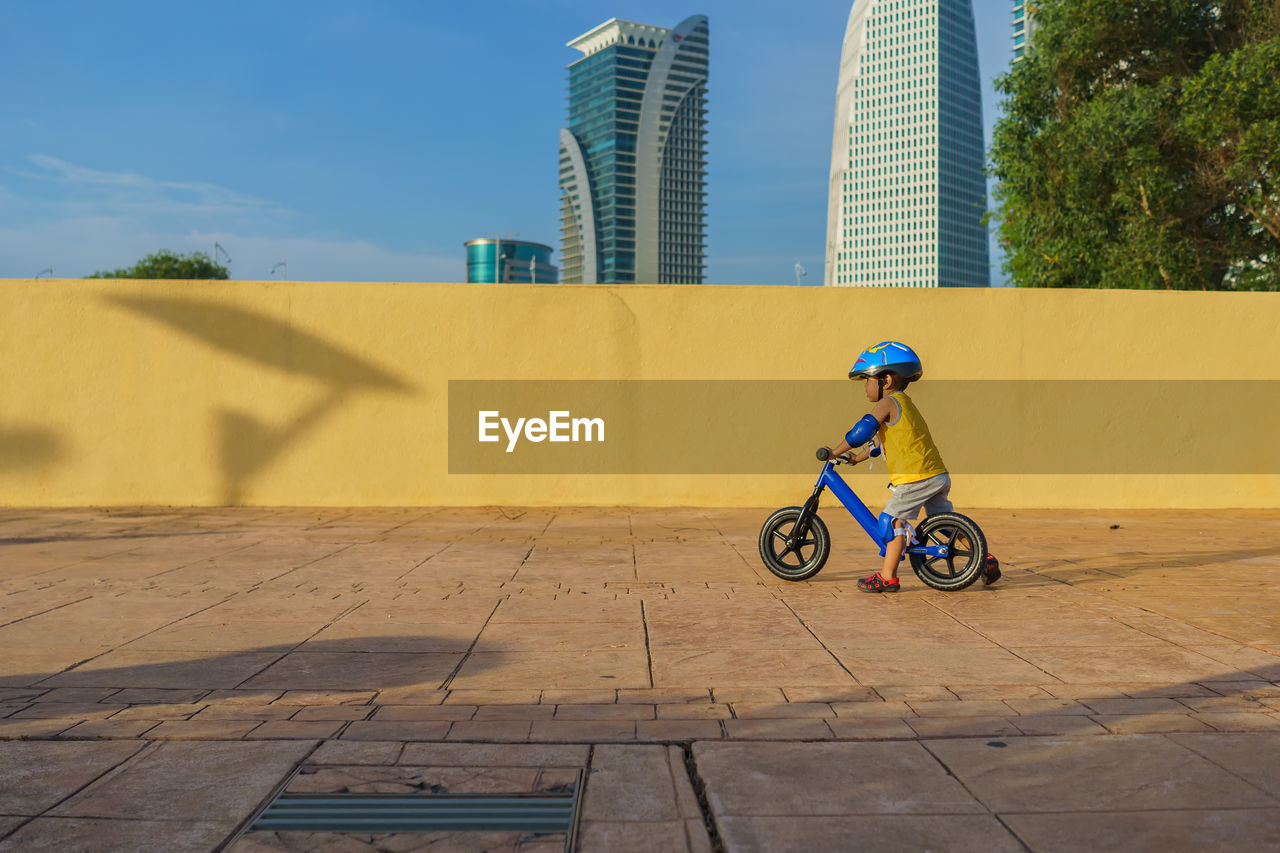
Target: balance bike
x: 949, y: 551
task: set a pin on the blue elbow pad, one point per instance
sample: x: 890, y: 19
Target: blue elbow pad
x: 863, y: 431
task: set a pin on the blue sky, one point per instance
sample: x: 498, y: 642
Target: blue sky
x: 368, y: 141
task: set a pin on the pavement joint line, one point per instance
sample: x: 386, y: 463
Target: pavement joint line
x: 445, y: 684
x: 833, y: 655
x: 699, y: 786
x: 1217, y: 764
x: 43, y: 612
x: 648, y: 652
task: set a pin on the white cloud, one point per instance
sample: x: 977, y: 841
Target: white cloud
x: 79, y: 246
x: 92, y: 191
x: 106, y: 220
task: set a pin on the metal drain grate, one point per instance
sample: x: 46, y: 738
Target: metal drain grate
x: 541, y: 813
x: 538, y: 813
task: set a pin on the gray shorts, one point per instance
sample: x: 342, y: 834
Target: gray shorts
x: 932, y: 494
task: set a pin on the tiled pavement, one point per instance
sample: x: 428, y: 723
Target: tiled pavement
x: 164, y: 672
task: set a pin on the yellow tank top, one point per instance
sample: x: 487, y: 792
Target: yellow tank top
x: 908, y: 448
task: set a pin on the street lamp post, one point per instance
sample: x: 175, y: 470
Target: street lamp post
x: 497, y: 254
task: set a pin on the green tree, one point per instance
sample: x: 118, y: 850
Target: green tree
x: 1140, y: 146
x: 167, y: 264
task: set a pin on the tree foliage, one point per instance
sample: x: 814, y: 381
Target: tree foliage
x: 1140, y: 146
x: 167, y: 264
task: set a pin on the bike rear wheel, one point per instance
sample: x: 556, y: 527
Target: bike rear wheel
x: 793, y: 551
x: 966, y: 551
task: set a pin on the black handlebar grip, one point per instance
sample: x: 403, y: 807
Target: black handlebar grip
x: 823, y: 454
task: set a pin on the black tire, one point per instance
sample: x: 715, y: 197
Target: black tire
x: 967, y: 551
x: 790, y: 554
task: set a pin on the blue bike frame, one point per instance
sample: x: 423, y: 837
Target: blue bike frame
x: 879, y: 529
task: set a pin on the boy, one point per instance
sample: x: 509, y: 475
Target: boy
x: 917, y: 475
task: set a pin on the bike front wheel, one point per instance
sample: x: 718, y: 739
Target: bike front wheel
x: 792, y: 551
x: 966, y: 551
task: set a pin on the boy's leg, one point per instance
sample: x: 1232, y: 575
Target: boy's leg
x: 893, y: 552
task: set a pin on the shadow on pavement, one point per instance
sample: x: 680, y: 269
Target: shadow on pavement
x: 361, y: 663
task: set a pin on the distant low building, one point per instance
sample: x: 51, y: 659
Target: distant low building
x: 510, y: 262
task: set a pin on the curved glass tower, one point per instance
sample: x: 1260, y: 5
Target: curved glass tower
x: 633, y: 158
x: 907, y: 193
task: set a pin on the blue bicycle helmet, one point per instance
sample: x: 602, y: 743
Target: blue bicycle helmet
x: 888, y: 357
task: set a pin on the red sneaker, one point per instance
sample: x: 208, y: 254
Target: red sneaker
x: 876, y: 583
x: 991, y: 571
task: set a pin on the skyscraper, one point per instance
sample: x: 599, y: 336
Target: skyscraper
x: 907, y: 193
x: 633, y: 160
x: 1024, y: 24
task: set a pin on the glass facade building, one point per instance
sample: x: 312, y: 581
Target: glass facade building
x: 521, y: 262
x: 633, y: 158
x: 907, y: 194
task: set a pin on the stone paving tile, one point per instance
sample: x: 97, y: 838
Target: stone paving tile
x: 163, y: 780
x: 353, y: 670
x: 709, y: 711
x: 670, y: 731
x: 1150, y: 831
x: 765, y: 668
x: 535, y: 670
x: 493, y: 697
x: 247, y: 712
x: 873, y: 832
x: 1252, y: 757
x: 954, y: 727
x: 1094, y: 774
x: 38, y: 776
x: 126, y: 668
x: 296, y: 729
x: 379, y: 753
x: 872, y: 709
x: 726, y: 695
x: 774, y: 729
x: 831, y: 694
x: 604, y: 712
x: 1239, y: 722
x: 33, y: 729
x: 391, y: 713
x: 396, y: 730
x: 574, y: 731
x: 1144, y: 723
x: 515, y: 731
x: 327, y: 697
x: 69, y: 711
x: 202, y: 729
x: 958, y: 708
x: 872, y: 728
x: 597, y: 696
x: 492, y: 755
x: 663, y: 696
x: 118, y: 833
x: 109, y: 729
x: 1050, y: 724
x: 838, y: 778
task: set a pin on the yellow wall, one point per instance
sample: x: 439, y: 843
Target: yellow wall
x: 290, y: 393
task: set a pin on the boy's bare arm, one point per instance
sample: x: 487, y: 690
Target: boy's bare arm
x: 882, y: 412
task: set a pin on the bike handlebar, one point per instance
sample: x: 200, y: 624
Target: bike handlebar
x: 823, y: 454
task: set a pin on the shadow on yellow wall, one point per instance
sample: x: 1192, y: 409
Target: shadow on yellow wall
x: 247, y: 444
x: 27, y: 447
